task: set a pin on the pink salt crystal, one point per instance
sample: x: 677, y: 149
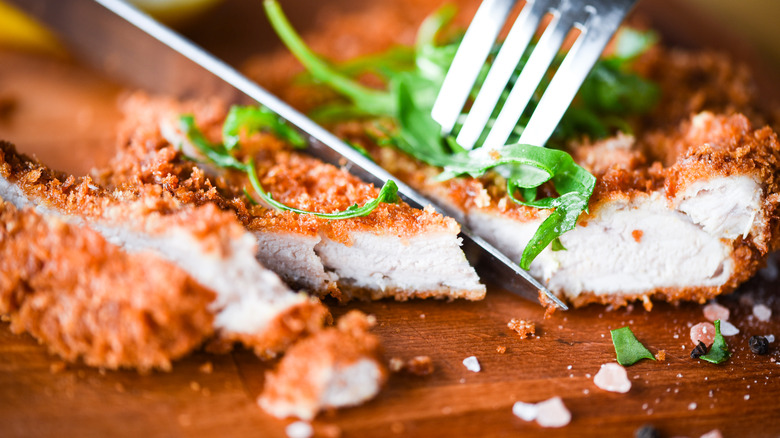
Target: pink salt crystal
x: 612, y: 377
x: 715, y: 433
x: 552, y: 413
x: 704, y: 332
x: 762, y: 312
x: 714, y: 311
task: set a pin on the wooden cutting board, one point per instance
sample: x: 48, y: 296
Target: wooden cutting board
x: 55, y: 104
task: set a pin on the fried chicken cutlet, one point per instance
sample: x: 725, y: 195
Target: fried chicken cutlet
x: 396, y: 251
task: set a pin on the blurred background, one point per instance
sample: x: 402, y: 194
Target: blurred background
x: 755, y: 21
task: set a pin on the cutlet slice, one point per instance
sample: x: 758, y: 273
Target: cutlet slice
x: 251, y: 303
x: 396, y: 251
x: 84, y: 297
x: 689, y: 230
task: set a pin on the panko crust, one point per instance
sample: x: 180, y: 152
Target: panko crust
x: 150, y: 209
x: 86, y: 298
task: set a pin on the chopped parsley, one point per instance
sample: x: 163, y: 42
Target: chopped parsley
x: 253, y: 119
x: 413, y: 76
x: 628, y: 349
x: 719, y: 352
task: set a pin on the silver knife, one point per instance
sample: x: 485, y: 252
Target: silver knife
x: 124, y: 43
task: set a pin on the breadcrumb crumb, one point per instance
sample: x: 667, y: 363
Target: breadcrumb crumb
x: 501, y: 349
x: 522, y: 327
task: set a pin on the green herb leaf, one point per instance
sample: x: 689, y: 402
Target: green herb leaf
x: 253, y: 119
x: 628, y: 349
x: 609, y: 93
x: 525, y: 167
x: 371, y: 101
x: 719, y: 352
x: 220, y: 156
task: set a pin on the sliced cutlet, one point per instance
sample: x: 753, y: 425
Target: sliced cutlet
x: 252, y: 304
x: 86, y: 298
x: 396, y: 251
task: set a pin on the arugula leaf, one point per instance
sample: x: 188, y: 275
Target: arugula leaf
x: 609, y: 93
x: 530, y: 167
x: 719, y: 352
x: 628, y: 349
x: 372, y: 101
x: 219, y: 155
x: 253, y: 119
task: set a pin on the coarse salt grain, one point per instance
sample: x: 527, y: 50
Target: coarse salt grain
x: 715, y: 433
x: 612, y: 377
x: 299, y: 429
x: 692, y: 406
x: 704, y: 332
x: 747, y: 397
x: 762, y: 312
x: 553, y: 413
x: 472, y: 364
x: 728, y: 329
x: 714, y: 311
x: 549, y: 413
x: 525, y: 411
x: 770, y: 338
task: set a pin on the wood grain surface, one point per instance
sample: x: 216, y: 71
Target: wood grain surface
x: 40, y: 396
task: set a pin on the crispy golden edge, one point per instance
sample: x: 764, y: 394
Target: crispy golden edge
x: 82, y: 297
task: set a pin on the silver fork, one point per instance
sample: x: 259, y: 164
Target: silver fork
x: 596, y: 19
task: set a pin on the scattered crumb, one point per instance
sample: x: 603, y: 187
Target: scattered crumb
x: 661, y: 355
x: 195, y: 386
x: 206, y: 368
x: 762, y: 312
x: 57, y: 367
x: 728, y: 329
x: 715, y: 433
x: 612, y: 377
x: 119, y: 387
x: 714, y: 311
x: 472, y: 364
x: 522, y: 327
x: 422, y: 316
x: 549, y: 413
x: 419, y: 366
x: 637, y: 235
x: 501, y: 349
x: 704, y: 332
x: 299, y: 429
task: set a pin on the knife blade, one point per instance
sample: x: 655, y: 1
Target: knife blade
x: 124, y: 43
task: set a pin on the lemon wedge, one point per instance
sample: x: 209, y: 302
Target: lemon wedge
x: 18, y: 31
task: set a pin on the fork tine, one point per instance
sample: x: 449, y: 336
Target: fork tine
x: 471, y: 55
x: 501, y: 71
x: 570, y: 75
x: 549, y: 44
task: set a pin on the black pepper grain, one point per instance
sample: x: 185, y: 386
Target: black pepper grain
x: 759, y: 345
x: 699, y: 350
x: 647, y: 431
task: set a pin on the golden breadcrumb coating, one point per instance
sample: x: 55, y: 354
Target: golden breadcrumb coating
x: 150, y: 209
x: 84, y: 297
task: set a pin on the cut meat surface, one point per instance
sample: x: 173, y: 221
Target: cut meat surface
x: 396, y: 251
x: 251, y: 304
